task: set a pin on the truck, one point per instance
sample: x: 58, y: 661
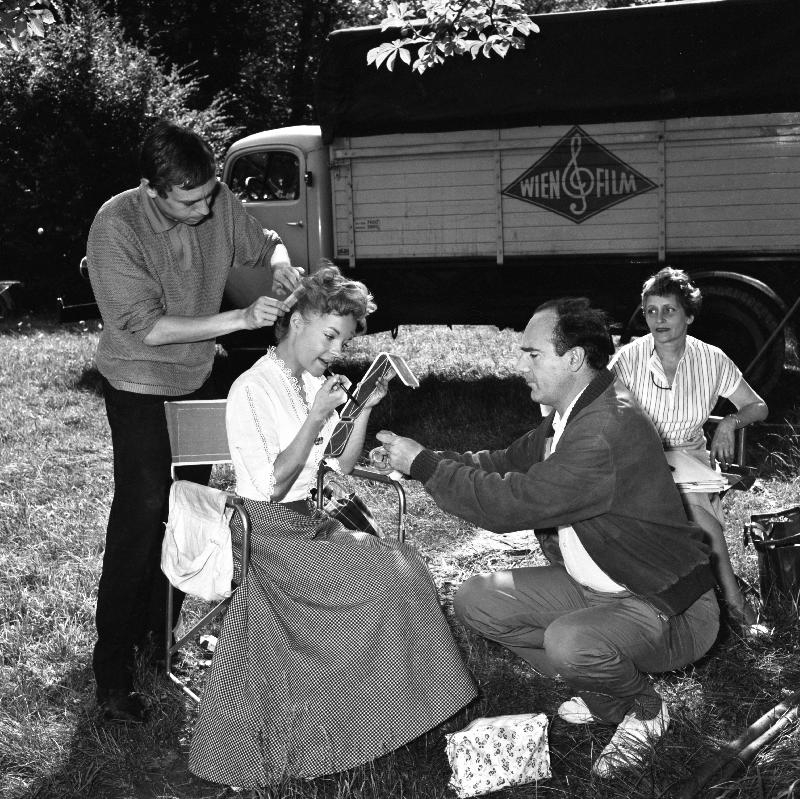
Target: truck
x: 615, y: 142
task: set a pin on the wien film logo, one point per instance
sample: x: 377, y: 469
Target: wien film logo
x: 577, y: 178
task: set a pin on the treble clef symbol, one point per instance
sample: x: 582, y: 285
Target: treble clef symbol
x: 575, y: 185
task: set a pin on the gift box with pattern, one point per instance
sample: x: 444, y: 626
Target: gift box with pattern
x: 494, y: 753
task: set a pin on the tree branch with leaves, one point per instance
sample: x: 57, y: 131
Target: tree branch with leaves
x: 451, y: 27
x: 21, y: 20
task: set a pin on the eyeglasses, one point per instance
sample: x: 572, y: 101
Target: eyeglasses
x: 652, y: 379
x: 660, y: 388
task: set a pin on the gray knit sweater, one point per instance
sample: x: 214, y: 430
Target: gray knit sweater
x: 137, y: 277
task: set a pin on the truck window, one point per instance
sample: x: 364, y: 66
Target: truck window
x: 273, y: 175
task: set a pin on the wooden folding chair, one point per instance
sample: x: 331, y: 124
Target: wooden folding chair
x: 197, y: 436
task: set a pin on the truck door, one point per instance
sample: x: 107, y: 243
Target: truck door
x: 269, y: 181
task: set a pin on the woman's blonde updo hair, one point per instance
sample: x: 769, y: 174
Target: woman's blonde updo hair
x: 328, y: 291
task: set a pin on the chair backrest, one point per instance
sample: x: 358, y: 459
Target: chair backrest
x: 197, y: 433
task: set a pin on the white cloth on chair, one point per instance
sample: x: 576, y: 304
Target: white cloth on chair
x: 196, y: 555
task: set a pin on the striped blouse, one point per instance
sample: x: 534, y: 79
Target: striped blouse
x: 679, y: 412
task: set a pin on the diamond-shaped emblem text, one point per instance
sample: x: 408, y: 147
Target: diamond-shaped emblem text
x: 577, y: 178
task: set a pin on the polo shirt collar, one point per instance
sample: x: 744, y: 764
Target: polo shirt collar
x: 587, y: 396
x: 654, y: 362
x: 158, y: 221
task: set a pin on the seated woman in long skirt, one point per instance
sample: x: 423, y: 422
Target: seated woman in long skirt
x: 334, y: 650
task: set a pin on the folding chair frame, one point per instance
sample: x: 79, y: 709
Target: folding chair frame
x: 209, y: 448
x: 170, y: 647
x: 211, y: 414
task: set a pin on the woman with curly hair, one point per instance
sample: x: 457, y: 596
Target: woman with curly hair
x: 334, y: 650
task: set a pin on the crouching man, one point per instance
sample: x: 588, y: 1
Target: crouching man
x: 629, y: 590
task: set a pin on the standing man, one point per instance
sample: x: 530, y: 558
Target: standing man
x: 159, y: 256
x: 629, y: 590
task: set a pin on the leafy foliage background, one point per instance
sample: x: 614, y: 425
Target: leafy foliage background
x: 75, y: 103
x: 73, y: 107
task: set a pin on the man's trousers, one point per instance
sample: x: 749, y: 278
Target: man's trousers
x: 602, y: 645
x: 131, y: 598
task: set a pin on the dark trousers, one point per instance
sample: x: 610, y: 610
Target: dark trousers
x: 131, y: 598
x: 602, y: 645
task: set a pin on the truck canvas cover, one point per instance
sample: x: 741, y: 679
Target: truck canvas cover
x: 683, y: 59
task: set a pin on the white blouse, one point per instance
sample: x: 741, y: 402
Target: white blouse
x: 265, y: 412
x: 678, y: 411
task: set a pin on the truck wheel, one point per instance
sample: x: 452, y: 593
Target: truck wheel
x: 739, y: 322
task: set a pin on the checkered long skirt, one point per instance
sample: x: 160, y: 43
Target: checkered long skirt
x: 334, y: 651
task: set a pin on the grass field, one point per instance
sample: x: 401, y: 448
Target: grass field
x: 55, y: 490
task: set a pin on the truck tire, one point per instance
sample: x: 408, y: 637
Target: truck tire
x: 739, y: 321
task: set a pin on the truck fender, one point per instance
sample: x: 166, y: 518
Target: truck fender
x: 754, y: 284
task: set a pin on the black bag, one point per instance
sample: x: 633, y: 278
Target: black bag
x: 348, y: 509
x: 776, y: 538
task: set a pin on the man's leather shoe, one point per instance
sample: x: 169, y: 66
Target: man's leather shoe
x: 118, y: 704
x: 631, y: 743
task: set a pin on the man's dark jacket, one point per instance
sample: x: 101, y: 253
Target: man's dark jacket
x: 607, y: 478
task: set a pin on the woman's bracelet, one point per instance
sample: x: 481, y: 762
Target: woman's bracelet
x: 736, y: 420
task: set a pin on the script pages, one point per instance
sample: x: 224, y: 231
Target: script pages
x: 691, y: 475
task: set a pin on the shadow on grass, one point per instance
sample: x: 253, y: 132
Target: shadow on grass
x: 458, y: 412
x: 452, y: 412
x: 90, y: 381
x: 449, y: 412
x: 150, y: 761
x: 93, y: 755
x: 468, y: 412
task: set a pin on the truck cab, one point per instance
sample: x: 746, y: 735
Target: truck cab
x: 282, y: 177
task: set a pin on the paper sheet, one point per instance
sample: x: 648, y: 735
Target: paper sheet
x: 691, y: 475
